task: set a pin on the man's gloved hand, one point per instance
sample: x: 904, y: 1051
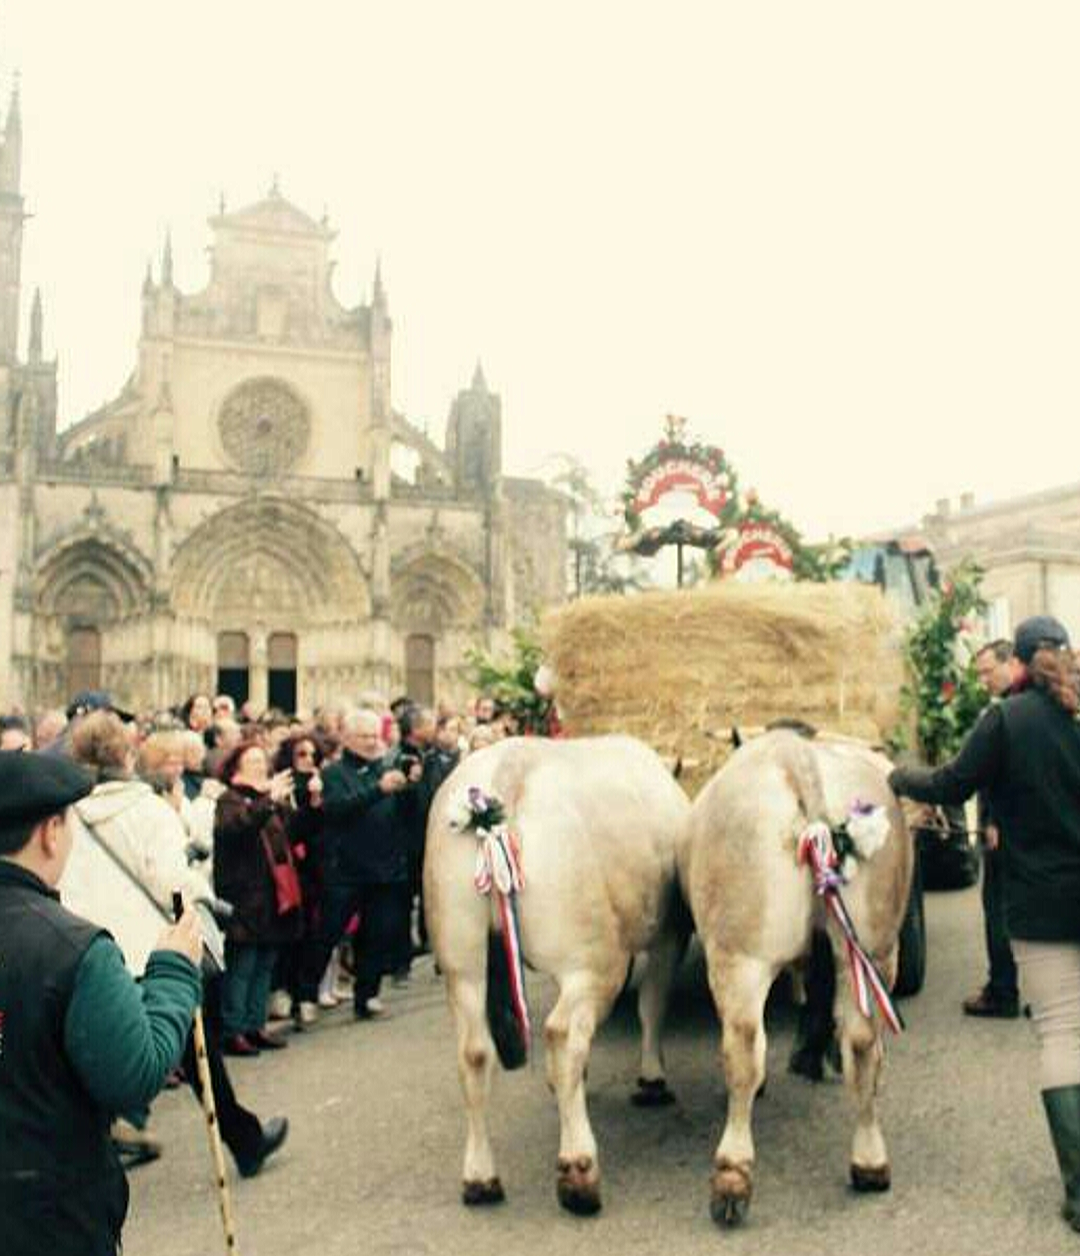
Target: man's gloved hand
x: 898, y: 780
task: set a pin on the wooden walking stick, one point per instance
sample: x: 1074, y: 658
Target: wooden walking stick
x: 213, y: 1133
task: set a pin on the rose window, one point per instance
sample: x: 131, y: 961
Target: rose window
x: 264, y: 427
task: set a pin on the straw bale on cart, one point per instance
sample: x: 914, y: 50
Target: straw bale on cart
x: 680, y: 669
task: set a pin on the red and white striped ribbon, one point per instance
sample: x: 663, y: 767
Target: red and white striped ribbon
x: 498, y: 870
x: 816, y: 848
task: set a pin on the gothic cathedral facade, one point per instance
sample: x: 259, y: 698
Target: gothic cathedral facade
x: 250, y: 513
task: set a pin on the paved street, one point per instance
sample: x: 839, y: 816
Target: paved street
x: 372, y: 1164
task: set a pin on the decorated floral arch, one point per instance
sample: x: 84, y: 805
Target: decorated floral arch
x: 746, y: 538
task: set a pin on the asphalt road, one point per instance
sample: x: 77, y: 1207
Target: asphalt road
x: 373, y: 1161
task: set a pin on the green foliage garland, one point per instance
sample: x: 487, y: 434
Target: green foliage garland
x: 943, y: 691
x: 512, y: 682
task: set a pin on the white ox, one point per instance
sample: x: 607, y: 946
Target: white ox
x: 755, y: 908
x: 598, y: 820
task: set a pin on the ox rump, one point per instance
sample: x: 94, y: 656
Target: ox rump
x: 597, y: 823
x: 756, y: 911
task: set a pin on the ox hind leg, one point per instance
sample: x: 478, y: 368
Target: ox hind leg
x: 862, y: 1053
x: 585, y: 998
x: 476, y: 1063
x: 663, y: 959
x: 740, y: 985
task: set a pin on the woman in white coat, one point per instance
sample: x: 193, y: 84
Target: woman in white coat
x: 127, y: 861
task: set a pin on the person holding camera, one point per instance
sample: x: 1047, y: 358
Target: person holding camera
x: 301, y: 755
x: 138, y: 837
x: 364, y: 864
x: 80, y: 1040
x: 255, y: 871
x: 415, y: 757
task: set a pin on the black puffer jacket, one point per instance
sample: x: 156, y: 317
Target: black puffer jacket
x: 1025, y: 753
x: 364, y: 830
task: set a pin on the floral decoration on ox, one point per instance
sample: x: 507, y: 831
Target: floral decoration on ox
x: 832, y: 855
x: 473, y: 810
x: 499, y: 874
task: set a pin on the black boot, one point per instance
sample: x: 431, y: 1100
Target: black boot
x: 1063, y: 1116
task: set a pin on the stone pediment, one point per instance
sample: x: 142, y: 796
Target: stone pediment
x: 273, y: 215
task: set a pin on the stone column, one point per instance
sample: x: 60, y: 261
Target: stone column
x: 258, y: 673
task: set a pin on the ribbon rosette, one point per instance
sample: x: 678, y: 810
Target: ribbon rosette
x: 816, y: 849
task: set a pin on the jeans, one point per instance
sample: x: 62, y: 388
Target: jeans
x: 246, y: 989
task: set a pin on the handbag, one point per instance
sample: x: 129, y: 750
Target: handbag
x: 286, y: 881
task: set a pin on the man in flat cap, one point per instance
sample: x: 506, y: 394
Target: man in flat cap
x: 80, y: 1041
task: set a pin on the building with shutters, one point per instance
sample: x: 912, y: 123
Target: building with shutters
x: 250, y: 513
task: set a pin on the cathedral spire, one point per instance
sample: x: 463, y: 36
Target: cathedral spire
x: 166, y: 261
x: 11, y: 155
x: 379, y: 298
x: 34, y: 348
x: 479, y: 383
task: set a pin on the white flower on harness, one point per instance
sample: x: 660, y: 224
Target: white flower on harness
x: 868, y: 827
x: 458, y: 815
x: 473, y: 811
x: 859, y: 838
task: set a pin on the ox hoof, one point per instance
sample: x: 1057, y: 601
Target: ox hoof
x: 476, y: 1194
x: 867, y: 1178
x: 578, y: 1185
x: 732, y: 1187
x: 652, y: 1093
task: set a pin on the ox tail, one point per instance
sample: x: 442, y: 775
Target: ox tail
x: 801, y: 766
x: 504, y: 1019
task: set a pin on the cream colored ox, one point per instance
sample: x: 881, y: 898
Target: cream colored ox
x: 598, y: 821
x: 755, y: 908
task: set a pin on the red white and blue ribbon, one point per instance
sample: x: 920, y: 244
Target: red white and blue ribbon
x: 498, y: 871
x: 816, y: 849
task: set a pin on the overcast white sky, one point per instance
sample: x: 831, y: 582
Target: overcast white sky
x: 843, y: 238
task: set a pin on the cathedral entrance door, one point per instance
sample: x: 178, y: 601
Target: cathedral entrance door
x: 83, y: 661
x: 234, y: 666
x: 420, y: 668
x: 281, y: 662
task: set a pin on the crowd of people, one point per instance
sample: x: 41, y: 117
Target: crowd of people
x: 309, y: 832
x: 298, y: 846
x: 298, y: 842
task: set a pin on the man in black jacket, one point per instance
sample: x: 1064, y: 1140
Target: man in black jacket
x: 417, y: 726
x: 1025, y: 754
x: 998, y: 670
x: 365, y: 868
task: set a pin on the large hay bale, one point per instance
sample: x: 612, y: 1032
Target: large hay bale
x: 680, y: 669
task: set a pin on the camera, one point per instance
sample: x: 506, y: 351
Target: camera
x: 407, y: 759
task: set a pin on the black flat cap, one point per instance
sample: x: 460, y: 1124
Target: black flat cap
x: 95, y: 700
x: 1038, y: 632
x: 34, y: 786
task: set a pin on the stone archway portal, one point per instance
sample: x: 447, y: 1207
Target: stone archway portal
x: 264, y: 576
